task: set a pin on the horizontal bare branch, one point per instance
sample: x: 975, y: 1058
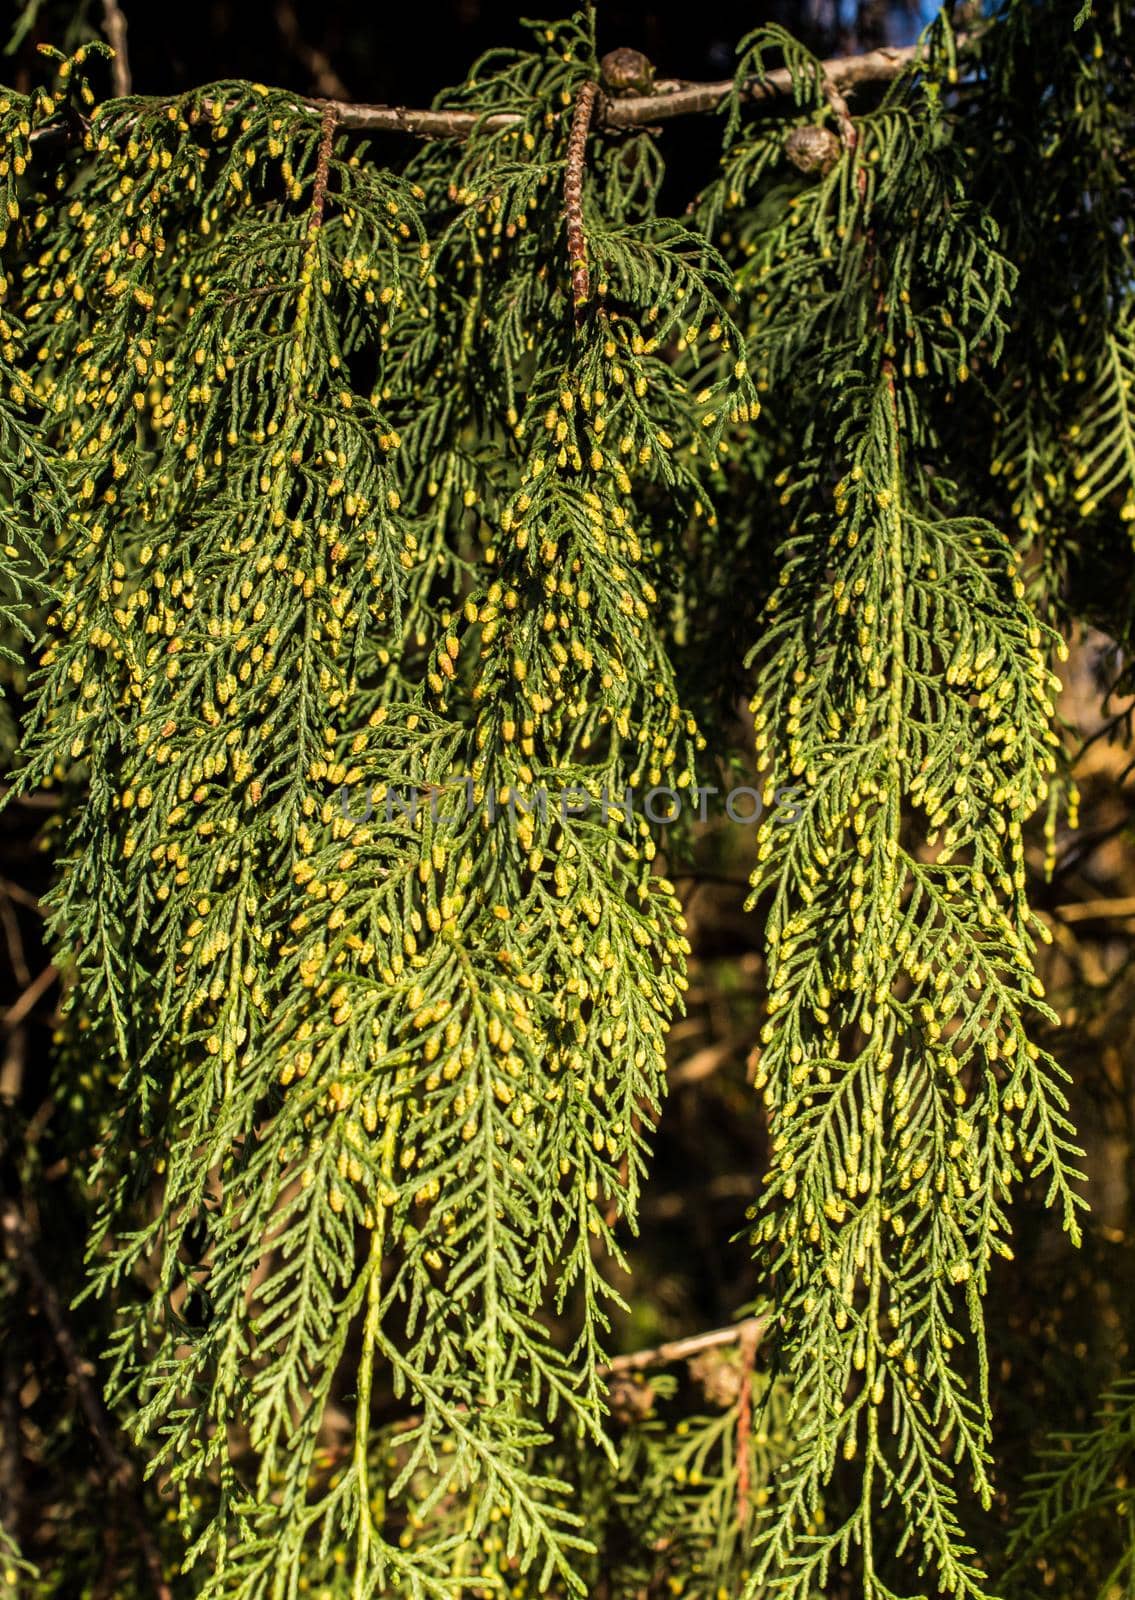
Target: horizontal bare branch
x: 1097, y: 910
x: 683, y: 99
x: 661, y: 1355
x: 669, y: 100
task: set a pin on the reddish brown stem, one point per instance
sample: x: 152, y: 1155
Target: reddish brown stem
x: 323, y: 164
x: 749, y: 1339
x: 573, y: 197
x: 840, y: 110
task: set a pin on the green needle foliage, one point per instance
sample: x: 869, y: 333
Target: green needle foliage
x: 1079, y: 1505
x: 339, y: 525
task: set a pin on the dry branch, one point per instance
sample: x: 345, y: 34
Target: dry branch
x: 751, y: 1329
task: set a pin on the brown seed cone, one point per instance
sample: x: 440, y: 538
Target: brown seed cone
x: 812, y: 150
x: 626, y: 72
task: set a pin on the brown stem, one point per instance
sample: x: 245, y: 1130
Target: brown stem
x: 38, y: 986
x: 749, y: 1341
x: 114, y: 26
x: 701, y: 1064
x: 748, y: 1333
x: 1097, y: 910
x: 841, y: 112
x: 842, y: 72
x: 323, y: 164
x: 661, y: 1355
x: 118, y: 1468
x: 573, y: 197
x: 37, y: 801
x: 16, y: 892
x: 14, y: 939
x: 12, y: 1067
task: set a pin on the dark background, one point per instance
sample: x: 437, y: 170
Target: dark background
x: 405, y: 53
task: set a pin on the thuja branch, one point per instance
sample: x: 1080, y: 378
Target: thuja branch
x: 283, y: 393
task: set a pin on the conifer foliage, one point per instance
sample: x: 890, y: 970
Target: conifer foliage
x: 382, y: 517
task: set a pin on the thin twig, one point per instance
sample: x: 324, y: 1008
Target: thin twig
x: 751, y: 1329
x: 701, y: 1064
x: 1097, y: 910
x: 16, y: 892
x: 1084, y: 844
x: 36, y: 801
x: 114, y: 26
x: 12, y: 1069
x: 749, y: 1341
x: 14, y: 940
x: 661, y: 1355
x: 119, y: 1470
x: 573, y: 197
x: 1104, y: 731
x: 16, y: 1013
